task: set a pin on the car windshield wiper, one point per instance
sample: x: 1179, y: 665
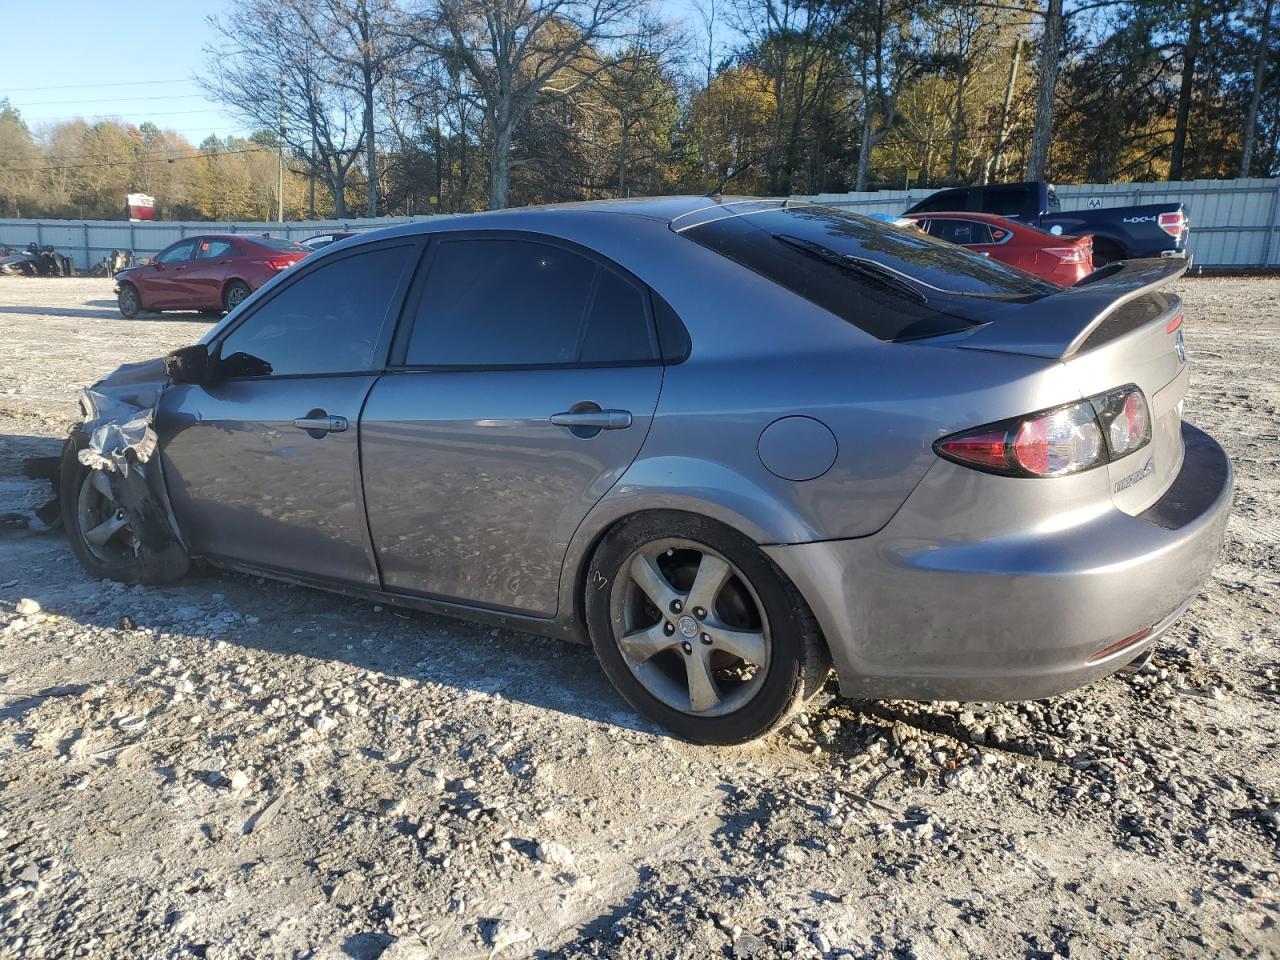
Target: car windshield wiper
x: 862, y: 266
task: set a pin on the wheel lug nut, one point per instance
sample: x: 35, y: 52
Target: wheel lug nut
x: 676, y: 606
x: 700, y: 613
x: 668, y: 628
x: 687, y: 647
x: 706, y: 638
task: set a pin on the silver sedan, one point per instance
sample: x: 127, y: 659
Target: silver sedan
x: 730, y: 442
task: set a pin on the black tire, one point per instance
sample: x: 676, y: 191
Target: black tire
x: 234, y: 294
x: 129, y: 301
x: 798, y: 660
x: 155, y: 555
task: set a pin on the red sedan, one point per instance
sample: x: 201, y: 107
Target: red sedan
x: 210, y: 274
x: 1064, y: 260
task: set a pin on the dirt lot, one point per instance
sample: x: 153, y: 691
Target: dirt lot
x: 231, y: 768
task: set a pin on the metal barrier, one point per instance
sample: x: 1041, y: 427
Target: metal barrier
x: 86, y: 242
x: 1234, y: 223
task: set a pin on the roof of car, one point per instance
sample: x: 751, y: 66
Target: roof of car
x: 664, y: 209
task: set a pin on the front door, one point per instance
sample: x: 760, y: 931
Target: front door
x: 162, y: 285
x: 262, y: 463
x: 525, y: 389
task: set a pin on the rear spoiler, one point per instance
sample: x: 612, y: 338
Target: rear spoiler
x: 1057, y: 326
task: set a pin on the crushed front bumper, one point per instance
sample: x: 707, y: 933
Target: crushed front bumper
x: 1021, y: 616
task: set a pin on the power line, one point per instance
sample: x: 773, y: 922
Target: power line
x: 109, y: 116
x: 83, y: 86
x: 63, y: 103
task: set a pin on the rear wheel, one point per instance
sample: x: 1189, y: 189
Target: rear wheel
x: 236, y: 292
x: 129, y: 301
x: 699, y: 631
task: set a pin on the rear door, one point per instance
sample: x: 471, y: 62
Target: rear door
x: 262, y: 463
x: 524, y: 387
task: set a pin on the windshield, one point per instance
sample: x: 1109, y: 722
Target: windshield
x: 863, y: 271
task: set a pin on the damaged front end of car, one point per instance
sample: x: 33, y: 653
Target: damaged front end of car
x: 110, y: 488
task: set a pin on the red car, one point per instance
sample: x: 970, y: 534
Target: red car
x: 210, y: 274
x: 1064, y: 260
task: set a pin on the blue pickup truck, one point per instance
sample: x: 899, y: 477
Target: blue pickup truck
x: 1119, y: 233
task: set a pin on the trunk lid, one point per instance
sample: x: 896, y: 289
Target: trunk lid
x: 1119, y: 326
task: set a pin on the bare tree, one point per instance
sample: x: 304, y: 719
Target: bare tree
x: 793, y: 43
x: 265, y: 62
x: 635, y: 86
x: 363, y: 37
x: 517, y: 51
x: 1259, y: 80
x: 886, y: 57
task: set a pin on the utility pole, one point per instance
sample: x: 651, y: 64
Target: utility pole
x: 280, y: 158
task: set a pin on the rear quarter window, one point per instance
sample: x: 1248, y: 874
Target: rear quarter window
x: 946, y: 288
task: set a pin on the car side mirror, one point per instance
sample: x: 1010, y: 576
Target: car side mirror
x: 188, y: 364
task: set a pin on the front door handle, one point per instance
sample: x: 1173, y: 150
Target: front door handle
x: 317, y: 422
x: 593, y: 419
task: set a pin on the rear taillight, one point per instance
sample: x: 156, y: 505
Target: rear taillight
x: 1070, y: 254
x: 281, y: 263
x: 1173, y: 223
x: 1124, y: 416
x: 1058, y: 442
x: 1174, y: 324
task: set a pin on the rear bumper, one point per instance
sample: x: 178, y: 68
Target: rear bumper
x: 1019, y: 616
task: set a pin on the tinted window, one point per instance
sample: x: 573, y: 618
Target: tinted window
x: 914, y: 286
x: 1004, y: 201
x: 177, y: 253
x: 497, y: 302
x: 209, y: 249
x: 618, y: 324
x: 960, y: 231
x: 326, y: 321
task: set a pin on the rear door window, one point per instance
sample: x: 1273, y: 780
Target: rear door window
x: 212, y: 249
x: 892, y: 284
x: 497, y: 302
x: 962, y: 232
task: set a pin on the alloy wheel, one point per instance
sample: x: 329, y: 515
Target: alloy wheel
x: 690, y: 627
x: 103, y: 522
x: 236, y: 296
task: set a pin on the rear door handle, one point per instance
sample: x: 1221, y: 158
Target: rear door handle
x: 593, y: 419
x: 314, y: 423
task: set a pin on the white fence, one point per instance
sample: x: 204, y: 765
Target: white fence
x: 1234, y: 223
x: 88, y: 241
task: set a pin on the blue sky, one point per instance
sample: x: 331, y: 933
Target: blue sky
x: 130, y: 59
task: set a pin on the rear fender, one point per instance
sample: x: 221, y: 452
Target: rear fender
x: 704, y: 488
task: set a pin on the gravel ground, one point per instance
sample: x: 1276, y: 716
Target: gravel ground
x: 233, y: 768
